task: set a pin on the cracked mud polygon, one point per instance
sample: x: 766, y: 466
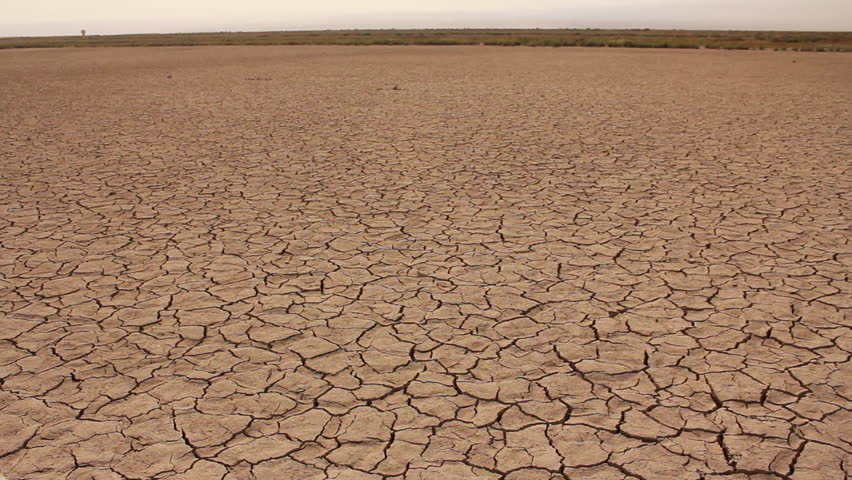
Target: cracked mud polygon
x: 424, y: 263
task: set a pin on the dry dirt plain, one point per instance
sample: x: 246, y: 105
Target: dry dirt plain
x: 424, y: 263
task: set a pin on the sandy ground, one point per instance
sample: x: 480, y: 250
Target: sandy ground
x: 424, y: 263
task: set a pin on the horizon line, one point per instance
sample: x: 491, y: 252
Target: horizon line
x: 391, y: 29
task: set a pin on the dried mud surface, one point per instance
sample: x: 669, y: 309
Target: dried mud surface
x: 424, y: 263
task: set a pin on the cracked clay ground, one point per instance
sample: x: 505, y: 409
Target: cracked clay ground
x: 424, y: 263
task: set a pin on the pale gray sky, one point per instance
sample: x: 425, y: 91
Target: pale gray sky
x: 67, y: 17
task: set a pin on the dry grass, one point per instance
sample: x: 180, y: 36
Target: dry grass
x: 735, y: 40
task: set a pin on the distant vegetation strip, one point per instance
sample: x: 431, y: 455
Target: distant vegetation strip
x: 644, y: 38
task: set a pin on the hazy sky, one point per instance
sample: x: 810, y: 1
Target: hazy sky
x: 67, y: 17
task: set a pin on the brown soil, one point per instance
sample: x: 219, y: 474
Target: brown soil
x: 424, y: 263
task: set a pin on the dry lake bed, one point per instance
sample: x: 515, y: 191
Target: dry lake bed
x: 425, y: 263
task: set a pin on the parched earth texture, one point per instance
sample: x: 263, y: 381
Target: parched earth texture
x: 424, y: 263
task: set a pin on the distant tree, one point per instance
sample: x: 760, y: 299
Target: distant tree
x: 83, y: 32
